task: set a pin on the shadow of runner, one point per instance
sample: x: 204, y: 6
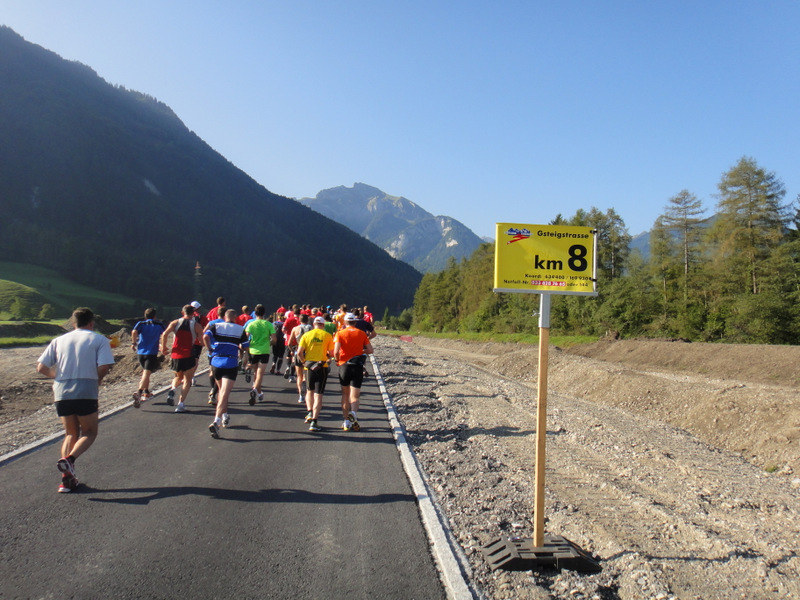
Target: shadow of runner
x: 273, y: 496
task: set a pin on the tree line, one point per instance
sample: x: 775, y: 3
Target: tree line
x: 732, y: 277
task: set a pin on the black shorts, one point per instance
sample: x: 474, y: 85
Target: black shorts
x: 259, y: 358
x: 81, y: 408
x: 183, y: 364
x: 316, y: 380
x: 225, y: 373
x: 149, y: 362
x: 351, y: 375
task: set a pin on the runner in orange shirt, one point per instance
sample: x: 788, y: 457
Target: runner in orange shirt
x: 351, y: 349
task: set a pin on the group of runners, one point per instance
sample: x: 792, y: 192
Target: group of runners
x: 304, y: 339
x: 307, y: 339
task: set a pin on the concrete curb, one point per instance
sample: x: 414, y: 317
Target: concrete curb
x: 450, y: 559
x: 15, y: 454
x: 452, y: 563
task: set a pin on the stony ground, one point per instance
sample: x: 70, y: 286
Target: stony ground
x: 672, y: 463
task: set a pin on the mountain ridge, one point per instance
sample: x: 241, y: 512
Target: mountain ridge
x: 404, y: 229
x: 110, y: 188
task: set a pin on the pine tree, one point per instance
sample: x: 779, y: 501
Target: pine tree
x: 750, y: 226
x: 681, y: 216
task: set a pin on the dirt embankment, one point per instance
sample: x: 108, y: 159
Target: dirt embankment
x: 637, y: 468
x: 741, y: 398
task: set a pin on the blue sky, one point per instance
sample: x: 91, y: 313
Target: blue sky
x: 503, y: 111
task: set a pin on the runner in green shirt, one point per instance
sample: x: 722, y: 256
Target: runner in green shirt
x: 262, y: 336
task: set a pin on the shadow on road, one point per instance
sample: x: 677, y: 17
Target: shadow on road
x: 272, y: 496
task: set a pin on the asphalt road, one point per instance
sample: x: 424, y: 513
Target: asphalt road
x: 270, y: 510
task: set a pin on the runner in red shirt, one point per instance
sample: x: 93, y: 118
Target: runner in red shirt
x: 185, y: 332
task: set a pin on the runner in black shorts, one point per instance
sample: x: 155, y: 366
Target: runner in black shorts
x: 145, y: 338
x: 77, y: 361
x: 262, y: 336
x: 148, y: 362
x: 78, y: 408
x: 315, y: 350
x: 183, y: 364
x: 225, y: 373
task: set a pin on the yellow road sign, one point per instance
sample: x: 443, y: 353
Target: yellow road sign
x: 545, y: 259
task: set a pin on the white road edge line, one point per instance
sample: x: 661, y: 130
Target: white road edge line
x: 450, y: 559
x: 453, y: 564
x: 23, y: 450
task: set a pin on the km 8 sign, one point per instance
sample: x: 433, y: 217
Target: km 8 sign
x: 545, y: 259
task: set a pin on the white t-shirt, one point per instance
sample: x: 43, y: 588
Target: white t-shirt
x: 76, y: 356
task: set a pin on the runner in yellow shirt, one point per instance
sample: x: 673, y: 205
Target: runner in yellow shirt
x: 314, y: 351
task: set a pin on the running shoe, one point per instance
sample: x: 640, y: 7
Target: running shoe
x: 309, y: 417
x: 137, y: 399
x: 253, y: 397
x: 171, y: 398
x: 272, y: 370
x: 313, y: 426
x: 292, y: 379
x: 212, y: 397
x: 147, y: 395
x: 300, y: 399
x: 66, y: 467
x: 287, y: 372
x: 214, y: 429
x: 225, y: 420
x: 194, y: 381
x: 346, y: 425
x: 68, y: 484
x: 261, y: 397
x: 180, y: 408
x: 355, y: 426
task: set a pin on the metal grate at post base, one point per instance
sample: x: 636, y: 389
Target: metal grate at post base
x: 519, y: 554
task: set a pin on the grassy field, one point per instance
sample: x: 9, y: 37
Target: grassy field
x: 11, y: 342
x: 39, y: 285
x: 36, y: 333
x: 562, y: 341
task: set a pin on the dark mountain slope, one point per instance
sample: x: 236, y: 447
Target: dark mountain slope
x: 110, y: 188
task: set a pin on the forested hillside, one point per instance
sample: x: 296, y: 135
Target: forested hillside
x: 109, y: 188
x: 732, y: 277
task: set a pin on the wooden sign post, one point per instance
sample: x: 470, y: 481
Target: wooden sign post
x: 541, y: 419
x: 545, y: 260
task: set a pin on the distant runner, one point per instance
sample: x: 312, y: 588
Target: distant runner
x: 315, y: 350
x: 184, y: 360
x: 145, y: 338
x: 262, y: 336
x: 224, y: 340
x: 352, y: 346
